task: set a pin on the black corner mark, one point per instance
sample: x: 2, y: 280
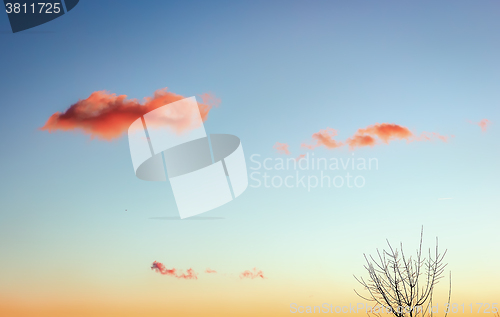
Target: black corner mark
x: 70, y: 4
x: 28, y: 14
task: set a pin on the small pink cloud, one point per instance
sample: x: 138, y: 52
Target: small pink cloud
x: 429, y: 136
x: 162, y: 269
x: 324, y: 138
x: 210, y: 100
x: 282, y: 148
x: 210, y: 271
x: 252, y: 274
x: 360, y: 141
x: 386, y: 132
x: 301, y: 156
x: 483, y: 124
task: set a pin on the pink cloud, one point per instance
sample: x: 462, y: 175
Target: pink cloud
x: 162, y: 269
x: 324, y: 138
x: 282, y: 148
x: 107, y: 116
x: 210, y: 100
x: 429, y: 136
x: 360, y: 141
x: 252, y: 274
x: 301, y: 156
x: 387, y: 132
x: 483, y: 124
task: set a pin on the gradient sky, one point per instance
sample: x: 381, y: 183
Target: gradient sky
x: 283, y: 71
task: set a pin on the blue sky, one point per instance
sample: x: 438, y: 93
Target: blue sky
x: 283, y: 70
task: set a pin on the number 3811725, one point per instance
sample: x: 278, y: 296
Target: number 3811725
x: 40, y: 7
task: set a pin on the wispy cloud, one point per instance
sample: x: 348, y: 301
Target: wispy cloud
x: 388, y: 132
x: 162, y: 269
x: 323, y: 138
x: 429, y: 136
x: 301, y: 156
x: 252, y: 274
x: 372, y: 135
x: 282, y: 148
x: 192, y: 275
x: 210, y: 100
x: 483, y: 124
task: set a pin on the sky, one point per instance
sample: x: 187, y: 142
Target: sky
x: 79, y: 231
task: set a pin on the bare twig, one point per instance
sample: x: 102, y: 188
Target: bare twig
x: 401, y: 284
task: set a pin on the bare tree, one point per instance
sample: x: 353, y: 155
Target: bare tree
x: 404, y: 286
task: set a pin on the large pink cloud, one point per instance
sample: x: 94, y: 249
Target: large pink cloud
x: 107, y: 116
